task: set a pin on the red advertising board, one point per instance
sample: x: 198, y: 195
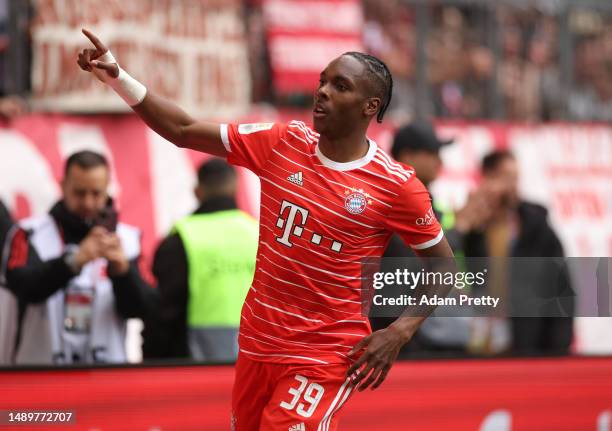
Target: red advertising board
x: 571, y: 394
x: 303, y: 35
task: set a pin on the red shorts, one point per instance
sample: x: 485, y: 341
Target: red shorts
x: 279, y: 397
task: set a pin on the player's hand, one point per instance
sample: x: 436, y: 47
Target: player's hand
x: 99, y: 61
x: 381, y: 350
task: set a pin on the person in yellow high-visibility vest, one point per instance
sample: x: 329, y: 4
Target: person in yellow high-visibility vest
x: 204, y: 269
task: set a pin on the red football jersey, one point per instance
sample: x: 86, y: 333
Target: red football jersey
x: 319, y: 219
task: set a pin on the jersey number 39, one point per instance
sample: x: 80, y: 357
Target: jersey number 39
x: 311, y: 394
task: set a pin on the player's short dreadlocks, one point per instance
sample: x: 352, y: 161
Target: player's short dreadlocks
x: 381, y: 77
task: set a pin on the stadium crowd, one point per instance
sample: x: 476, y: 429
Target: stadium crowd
x: 481, y: 61
x: 469, y: 66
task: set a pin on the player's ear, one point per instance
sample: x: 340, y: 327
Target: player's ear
x: 371, y: 107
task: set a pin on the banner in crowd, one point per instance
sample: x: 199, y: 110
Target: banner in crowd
x: 193, y: 52
x: 303, y: 35
x: 565, y: 167
x: 466, y: 395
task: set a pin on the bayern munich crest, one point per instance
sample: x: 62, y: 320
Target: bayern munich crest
x: 356, y: 201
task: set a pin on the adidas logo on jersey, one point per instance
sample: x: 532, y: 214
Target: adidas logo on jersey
x: 296, y: 178
x: 298, y: 427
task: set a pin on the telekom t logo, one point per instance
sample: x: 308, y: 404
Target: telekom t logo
x: 290, y: 223
x: 292, y: 219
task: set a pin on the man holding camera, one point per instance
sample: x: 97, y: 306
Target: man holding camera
x: 74, y: 272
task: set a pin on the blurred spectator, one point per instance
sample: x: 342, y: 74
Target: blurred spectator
x: 514, y: 228
x: 591, y: 97
x: 75, y: 273
x: 259, y: 62
x: 459, y: 66
x: 8, y: 304
x: 11, y: 107
x: 204, y: 269
x: 389, y: 34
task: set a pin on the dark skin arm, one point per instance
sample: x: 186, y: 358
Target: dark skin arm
x: 164, y: 117
x: 380, y: 349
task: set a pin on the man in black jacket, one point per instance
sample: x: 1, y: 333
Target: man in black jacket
x: 540, y: 290
x: 75, y: 273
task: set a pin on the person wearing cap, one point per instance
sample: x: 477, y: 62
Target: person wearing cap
x: 417, y: 145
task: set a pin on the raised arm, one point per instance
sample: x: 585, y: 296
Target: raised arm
x: 164, y: 117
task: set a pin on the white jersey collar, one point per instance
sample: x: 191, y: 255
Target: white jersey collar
x: 348, y: 166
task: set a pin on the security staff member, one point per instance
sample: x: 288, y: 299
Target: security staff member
x: 204, y: 269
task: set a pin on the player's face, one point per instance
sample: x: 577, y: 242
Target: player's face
x: 340, y: 100
x: 85, y: 191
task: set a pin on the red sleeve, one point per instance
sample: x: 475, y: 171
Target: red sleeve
x: 413, y: 218
x: 18, y: 254
x: 250, y: 145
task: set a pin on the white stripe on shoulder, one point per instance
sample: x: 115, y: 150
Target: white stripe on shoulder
x: 394, y: 165
x: 225, y: 137
x: 384, y: 177
x: 303, y: 139
x: 307, y: 131
x: 429, y: 243
x: 301, y: 130
x: 389, y: 170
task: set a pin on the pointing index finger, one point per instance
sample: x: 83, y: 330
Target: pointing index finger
x: 94, y: 39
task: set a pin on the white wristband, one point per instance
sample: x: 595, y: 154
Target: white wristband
x: 130, y: 90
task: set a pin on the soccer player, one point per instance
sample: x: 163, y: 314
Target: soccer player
x: 330, y: 197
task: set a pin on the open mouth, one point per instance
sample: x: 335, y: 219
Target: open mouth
x: 319, y: 111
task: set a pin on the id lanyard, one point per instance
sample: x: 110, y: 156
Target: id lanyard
x: 79, y: 298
